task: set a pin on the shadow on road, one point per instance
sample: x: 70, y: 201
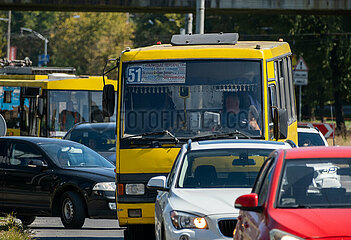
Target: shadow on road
x: 84, y: 228
x: 78, y: 238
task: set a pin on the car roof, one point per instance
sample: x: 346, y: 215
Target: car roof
x: 307, y: 130
x: 36, y: 140
x: 236, y: 143
x: 95, y: 126
x: 318, y: 152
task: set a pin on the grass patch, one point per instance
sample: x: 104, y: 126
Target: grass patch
x: 12, y: 229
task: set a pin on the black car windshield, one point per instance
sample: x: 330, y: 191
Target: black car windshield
x: 315, y: 183
x: 193, y: 98
x: 69, y: 154
x: 102, y: 139
x: 221, y: 168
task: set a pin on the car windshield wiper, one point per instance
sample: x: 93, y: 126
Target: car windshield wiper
x: 236, y: 134
x: 158, y: 133
x: 295, y: 206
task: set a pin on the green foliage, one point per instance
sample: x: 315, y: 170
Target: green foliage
x: 151, y: 28
x: 87, y: 41
x: 12, y: 229
x: 29, y: 45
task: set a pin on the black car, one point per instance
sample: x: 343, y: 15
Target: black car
x: 55, y: 177
x: 101, y: 137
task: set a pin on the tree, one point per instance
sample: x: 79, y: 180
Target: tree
x: 86, y: 40
x: 27, y: 44
x: 151, y: 28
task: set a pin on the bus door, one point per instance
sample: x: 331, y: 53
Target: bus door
x: 32, y: 112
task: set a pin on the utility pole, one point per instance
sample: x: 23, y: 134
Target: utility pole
x: 200, y: 16
x: 9, y: 36
x: 188, y: 23
x: 8, y: 20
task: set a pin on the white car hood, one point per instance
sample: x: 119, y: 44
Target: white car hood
x: 205, y: 202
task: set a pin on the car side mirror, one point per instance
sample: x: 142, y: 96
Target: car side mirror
x: 248, y: 202
x: 158, y: 183
x: 108, y: 100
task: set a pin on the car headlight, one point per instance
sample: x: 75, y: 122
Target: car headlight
x: 105, y: 186
x: 276, y: 234
x: 135, y: 189
x: 181, y: 220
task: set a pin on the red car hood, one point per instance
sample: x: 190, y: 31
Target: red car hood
x: 313, y: 223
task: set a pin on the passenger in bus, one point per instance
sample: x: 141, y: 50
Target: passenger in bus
x: 253, y: 118
x: 69, y: 117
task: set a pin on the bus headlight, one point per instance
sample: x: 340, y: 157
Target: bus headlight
x: 181, y: 220
x: 135, y: 189
x: 105, y: 186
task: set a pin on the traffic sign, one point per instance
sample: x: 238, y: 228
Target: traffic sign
x: 301, y: 73
x: 327, y: 129
x: 301, y: 78
x: 43, y: 59
x: 301, y: 65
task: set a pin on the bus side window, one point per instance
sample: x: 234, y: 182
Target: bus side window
x: 292, y: 92
x: 281, y: 86
x: 276, y: 70
x: 286, y: 87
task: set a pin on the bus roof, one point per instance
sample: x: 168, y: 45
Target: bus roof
x: 240, y: 50
x: 60, y: 82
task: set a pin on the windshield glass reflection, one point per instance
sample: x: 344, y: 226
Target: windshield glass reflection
x: 193, y: 98
x: 221, y: 168
x: 74, y: 155
x: 315, y: 183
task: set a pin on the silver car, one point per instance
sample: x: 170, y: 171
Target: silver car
x: 196, y: 200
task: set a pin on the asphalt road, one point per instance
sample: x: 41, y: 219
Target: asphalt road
x: 51, y: 228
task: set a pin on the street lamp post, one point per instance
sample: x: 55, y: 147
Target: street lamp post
x: 41, y: 37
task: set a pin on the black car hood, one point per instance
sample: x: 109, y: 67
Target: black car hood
x: 93, y: 172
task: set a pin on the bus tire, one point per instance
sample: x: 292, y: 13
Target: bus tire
x: 72, y: 210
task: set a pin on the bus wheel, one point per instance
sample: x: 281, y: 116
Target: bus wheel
x: 140, y: 231
x: 72, y: 210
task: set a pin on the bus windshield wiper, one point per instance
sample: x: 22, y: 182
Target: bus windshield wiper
x: 164, y: 132
x: 236, y: 133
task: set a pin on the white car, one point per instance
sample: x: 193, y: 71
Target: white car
x: 196, y: 200
x: 308, y: 136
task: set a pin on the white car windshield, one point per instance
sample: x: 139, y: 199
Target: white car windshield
x: 69, y: 154
x: 221, y: 168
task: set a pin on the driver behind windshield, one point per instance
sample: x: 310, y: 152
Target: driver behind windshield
x: 236, y: 117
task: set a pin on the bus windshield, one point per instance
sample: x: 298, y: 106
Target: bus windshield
x: 193, y: 98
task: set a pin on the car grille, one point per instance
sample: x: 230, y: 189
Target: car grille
x: 227, y: 226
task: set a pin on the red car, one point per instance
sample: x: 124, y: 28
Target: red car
x: 300, y: 193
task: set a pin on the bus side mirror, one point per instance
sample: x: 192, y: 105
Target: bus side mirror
x: 108, y: 100
x: 280, y: 120
x: 40, y: 110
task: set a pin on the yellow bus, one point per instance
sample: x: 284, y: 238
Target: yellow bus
x: 170, y: 93
x: 48, y: 101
